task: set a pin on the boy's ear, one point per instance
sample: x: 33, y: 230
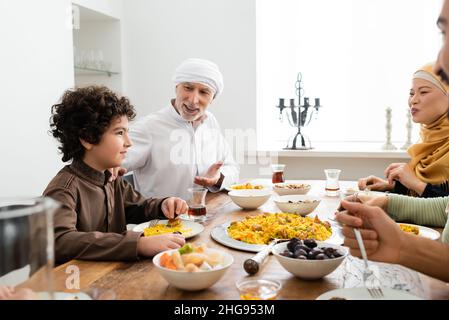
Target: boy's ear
x: 86, y: 145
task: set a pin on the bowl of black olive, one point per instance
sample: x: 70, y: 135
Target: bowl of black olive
x: 309, y: 259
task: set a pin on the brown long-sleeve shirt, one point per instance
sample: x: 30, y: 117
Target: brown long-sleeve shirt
x: 91, y: 223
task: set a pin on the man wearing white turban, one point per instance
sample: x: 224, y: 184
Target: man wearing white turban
x: 181, y: 146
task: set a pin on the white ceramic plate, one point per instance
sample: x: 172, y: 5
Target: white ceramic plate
x: 196, y: 227
x: 424, y: 231
x: 377, y: 193
x: 371, y: 193
x: 363, y: 294
x: 220, y: 234
x: 64, y: 296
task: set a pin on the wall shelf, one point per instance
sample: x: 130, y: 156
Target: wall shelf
x: 97, y: 50
x: 91, y: 71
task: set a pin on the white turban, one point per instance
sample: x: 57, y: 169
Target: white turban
x: 200, y: 71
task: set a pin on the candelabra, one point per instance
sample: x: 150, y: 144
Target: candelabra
x: 388, y: 145
x: 408, y: 143
x: 299, y: 117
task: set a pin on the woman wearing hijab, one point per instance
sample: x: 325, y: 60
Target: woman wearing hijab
x: 427, y: 173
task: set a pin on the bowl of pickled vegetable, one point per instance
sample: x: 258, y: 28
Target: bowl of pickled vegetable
x: 192, y: 267
x: 309, y: 259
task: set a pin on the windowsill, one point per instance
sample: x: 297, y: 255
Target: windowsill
x: 337, y: 149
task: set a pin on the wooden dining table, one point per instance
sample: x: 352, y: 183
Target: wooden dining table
x: 141, y: 279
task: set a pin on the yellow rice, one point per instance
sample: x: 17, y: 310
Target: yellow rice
x: 409, y: 229
x: 264, y: 228
x: 163, y: 228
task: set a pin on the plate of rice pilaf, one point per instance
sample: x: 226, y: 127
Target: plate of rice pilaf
x: 419, y: 231
x: 254, y: 232
x: 188, y: 229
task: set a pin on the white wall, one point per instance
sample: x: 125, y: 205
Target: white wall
x: 112, y: 8
x: 159, y: 34
x: 311, y: 168
x: 36, y: 67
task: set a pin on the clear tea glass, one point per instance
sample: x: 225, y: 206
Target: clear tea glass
x: 278, y: 173
x: 27, y: 243
x: 197, y: 204
x: 258, y: 289
x: 332, y: 184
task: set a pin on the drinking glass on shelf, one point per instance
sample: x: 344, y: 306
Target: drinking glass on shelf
x: 332, y: 184
x: 107, y: 65
x: 90, y: 59
x: 278, y: 173
x: 99, y: 60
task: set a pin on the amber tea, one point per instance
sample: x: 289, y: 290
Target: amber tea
x: 277, y: 177
x: 197, y: 211
x: 278, y: 173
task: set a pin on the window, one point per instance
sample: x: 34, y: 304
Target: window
x: 357, y: 56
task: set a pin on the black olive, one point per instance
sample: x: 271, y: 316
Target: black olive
x: 287, y: 253
x: 302, y: 258
x: 306, y: 249
x: 321, y: 256
x: 300, y: 252
x: 292, y: 245
x: 294, y: 239
x: 310, y: 256
x: 337, y: 254
x: 310, y: 243
x: 316, y: 251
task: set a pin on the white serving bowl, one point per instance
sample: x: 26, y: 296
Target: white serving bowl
x: 193, y: 281
x: 250, y: 199
x: 309, y: 269
x: 299, y: 205
x: 242, y: 186
x: 281, y: 190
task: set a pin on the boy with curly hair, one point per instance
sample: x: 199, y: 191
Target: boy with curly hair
x: 91, y: 125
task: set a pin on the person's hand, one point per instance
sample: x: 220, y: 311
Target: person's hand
x: 6, y: 292
x: 116, y: 172
x: 150, y: 246
x: 374, y: 201
x: 375, y: 184
x: 10, y: 293
x: 212, y: 175
x: 404, y: 174
x: 382, y: 237
x: 173, y: 207
x: 24, y: 294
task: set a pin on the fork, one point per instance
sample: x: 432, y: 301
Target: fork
x: 153, y: 223
x: 374, y: 291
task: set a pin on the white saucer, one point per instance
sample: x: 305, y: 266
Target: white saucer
x: 363, y: 294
